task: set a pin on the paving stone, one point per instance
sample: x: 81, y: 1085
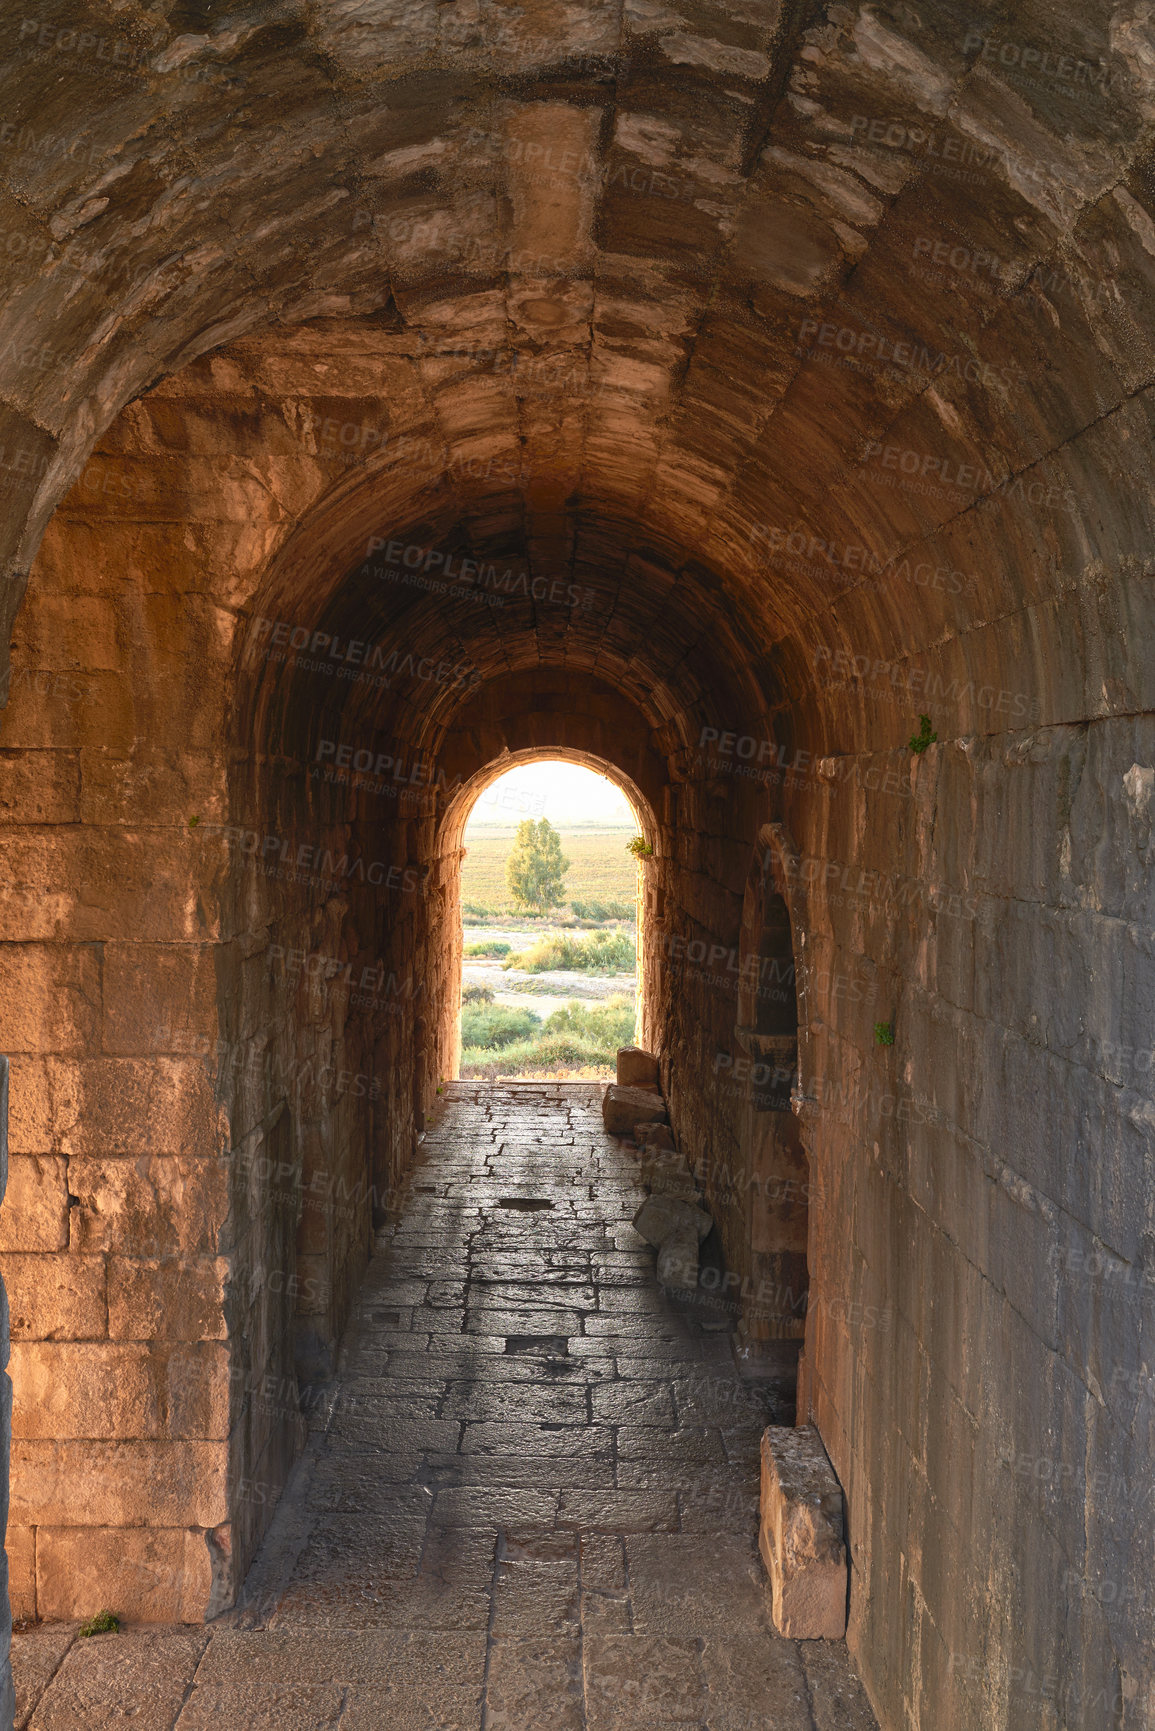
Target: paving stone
x: 838, y: 1700
x: 603, y: 1562
x: 262, y: 1706
x: 397, y: 1707
x: 606, y: 1614
x: 637, y: 1403
x: 681, y: 1585
x: 535, y: 1685
x: 535, y: 1598
x: 634, y: 1681
x: 619, y: 1511
x: 138, y: 1678
x: 748, y: 1678
x: 461, y: 1517
x: 37, y: 1653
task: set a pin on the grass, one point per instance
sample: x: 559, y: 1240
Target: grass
x: 595, y: 952
x: 489, y: 1027
x: 494, y: 947
x: 600, y: 871
x: 104, y: 1623
x: 573, y: 1041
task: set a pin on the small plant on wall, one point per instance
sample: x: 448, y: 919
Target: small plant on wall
x: 884, y: 1033
x: 639, y: 847
x: 919, y: 741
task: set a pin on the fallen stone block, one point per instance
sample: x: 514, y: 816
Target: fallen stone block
x: 654, y: 1135
x: 670, y: 1177
x: 637, y: 1068
x: 622, y: 1108
x: 801, y: 1535
x: 678, y: 1258
x: 661, y: 1216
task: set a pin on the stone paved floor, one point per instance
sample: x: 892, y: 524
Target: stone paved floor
x: 529, y: 1499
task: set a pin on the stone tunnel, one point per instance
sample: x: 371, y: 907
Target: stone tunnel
x: 752, y: 402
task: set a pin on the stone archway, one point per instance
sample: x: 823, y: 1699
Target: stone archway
x: 811, y: 353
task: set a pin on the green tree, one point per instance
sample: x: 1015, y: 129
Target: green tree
x: 535, y: 870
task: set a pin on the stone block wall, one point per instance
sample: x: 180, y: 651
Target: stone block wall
x: 212, y: 1060
x: 979, y: 1323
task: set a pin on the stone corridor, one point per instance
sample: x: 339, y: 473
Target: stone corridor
x: 529, y: 1497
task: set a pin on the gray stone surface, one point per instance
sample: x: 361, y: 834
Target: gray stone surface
x: 660, y: 1216
x: 484, y: 1577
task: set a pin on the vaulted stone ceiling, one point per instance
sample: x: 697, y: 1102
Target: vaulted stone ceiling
x: 779, y: 321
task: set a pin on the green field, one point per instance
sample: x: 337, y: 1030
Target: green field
x: 600, y: 868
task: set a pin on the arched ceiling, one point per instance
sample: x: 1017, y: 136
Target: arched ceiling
x: 761, y: 310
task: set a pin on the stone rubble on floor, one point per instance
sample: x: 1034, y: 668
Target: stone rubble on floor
x: 529, y: 1499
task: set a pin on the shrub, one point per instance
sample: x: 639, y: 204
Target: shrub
x: 572, y: 1038
x: 477, y: 994
x: 609, y: 910
x: 489, y: 947
x: 493, y: 1026
x: 611, y: 1024
x: 596, y: 952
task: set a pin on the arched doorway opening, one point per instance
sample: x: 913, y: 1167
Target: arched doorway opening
x: 641, y: 824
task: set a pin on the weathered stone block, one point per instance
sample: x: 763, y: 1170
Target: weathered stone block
x: 119, y: 1484
x: 158, y: 998
x: 169, y: 1299
x: 57, y: 1297
x: 108, y: 1389
x: 801, y: 1535
x: 637, y: 1068
x: 155, y: 1206
x: 51, y: 997
x: 132, y: 1106
x: 143, y: 1574
x: 660, y: 1216
x: 35, y: 1211
x: 20, y: 1543
x: 622, y: 1108
x: 39, y: 787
